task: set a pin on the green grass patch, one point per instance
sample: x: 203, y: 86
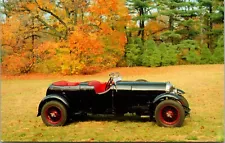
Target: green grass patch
x: 191, y: 138
x: 204, y: 87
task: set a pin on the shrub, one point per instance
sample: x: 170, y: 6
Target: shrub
x: 47, y: 66
x: 192, y: 57
x: 188, y: 51
x: 133, y: 54
x: 16, y: 64
x: 47, y: 60
x: 169, y: 54
x: 155, y: 58
x: 206, y: 55
x: 151, y: 55
x: 218, y: 55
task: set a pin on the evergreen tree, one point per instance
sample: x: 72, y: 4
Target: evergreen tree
x: 141, y: 12
x: 168, y: 54
x: 133, y: 55
x: 171, y: 37
x: 172, y: 52
x: 188, y: 19
x: 181, y: 14
x: 152, y: 55
x: 218, y: 55
x: 206, y: 55
x: 192, y: 57
x: 213, y: 14
x: 155, y: 58
x: 134, y: 52
x: 188, y: 49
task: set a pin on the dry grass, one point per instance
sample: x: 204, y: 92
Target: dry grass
x: 204, y: 86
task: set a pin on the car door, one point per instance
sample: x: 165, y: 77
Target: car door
x: 123, y: 97
x: 102, y: 103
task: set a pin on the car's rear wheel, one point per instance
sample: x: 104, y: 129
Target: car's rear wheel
x: 54, y: 113
x: 169, y: 113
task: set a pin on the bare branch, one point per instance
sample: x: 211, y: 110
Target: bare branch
x: 54, y: 15
x: 49, y: 26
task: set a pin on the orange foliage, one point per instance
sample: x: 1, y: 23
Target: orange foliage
x: 46, y: 50
x: 100, y: 43
x: 10, y: 32
x: 83, y: 43
x: 95, y: 40
x: 15, y: 64
x: 154, y: 27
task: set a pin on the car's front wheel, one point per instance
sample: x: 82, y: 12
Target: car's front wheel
x: 169, y: 113
x: 54, y: 113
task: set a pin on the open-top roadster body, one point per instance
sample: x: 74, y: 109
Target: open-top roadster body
x: 159, y: 100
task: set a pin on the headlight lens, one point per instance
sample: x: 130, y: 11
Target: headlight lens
x: 169, y: 87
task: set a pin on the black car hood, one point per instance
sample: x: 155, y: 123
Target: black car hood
x: 140, y: 85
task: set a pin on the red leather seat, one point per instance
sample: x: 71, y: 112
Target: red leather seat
x: 65, y: 83
x: 98, y: 86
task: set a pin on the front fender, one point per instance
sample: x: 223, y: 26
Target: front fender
x: 180, y: 98
x: 52, y: 97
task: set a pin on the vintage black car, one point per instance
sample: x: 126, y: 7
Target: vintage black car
x: 159, y: 100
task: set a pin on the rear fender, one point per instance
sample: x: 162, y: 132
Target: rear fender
x: 50, y: 98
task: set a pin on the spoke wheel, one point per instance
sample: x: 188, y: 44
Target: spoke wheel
x: 169, y: 113
x: 54, y: 114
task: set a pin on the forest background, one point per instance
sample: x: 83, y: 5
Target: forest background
x: 88, y: 36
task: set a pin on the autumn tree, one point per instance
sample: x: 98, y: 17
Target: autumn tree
x: 105, y: 32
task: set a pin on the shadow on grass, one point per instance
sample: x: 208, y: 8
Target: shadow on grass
x: 110, y: 118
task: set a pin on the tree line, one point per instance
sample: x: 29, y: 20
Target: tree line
x: 87, y: 36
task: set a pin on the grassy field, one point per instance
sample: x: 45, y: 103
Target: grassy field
x: 204, y: 86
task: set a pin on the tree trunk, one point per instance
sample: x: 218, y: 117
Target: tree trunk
x: 141, y: 24
x: 210, y: 29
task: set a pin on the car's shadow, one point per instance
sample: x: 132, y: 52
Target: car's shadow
x: 109, y: 118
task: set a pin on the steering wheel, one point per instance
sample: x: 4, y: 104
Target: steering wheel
x: 108, y: 84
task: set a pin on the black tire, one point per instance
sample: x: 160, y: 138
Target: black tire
x: 169, y: 113
x: 142, y: 80
x: 185, y: 101
x: 54, y: 113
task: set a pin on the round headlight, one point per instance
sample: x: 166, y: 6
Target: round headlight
x: 169, y: 87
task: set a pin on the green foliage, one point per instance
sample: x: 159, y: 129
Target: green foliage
x: 134, y: 52
x: 213, y: 15
x: 192, y: 57
x: 206, y: 55
x: 170, y: 36
x: 188, y: 44
x: 220, y: 42
x: 188, y: 51
x: 169, y: 54
x: 218, y: 55
x: 133, y: 55
x: 140, y: 13
x: 155, y: 58
x: 188, y: 30
x: 151, y: 55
